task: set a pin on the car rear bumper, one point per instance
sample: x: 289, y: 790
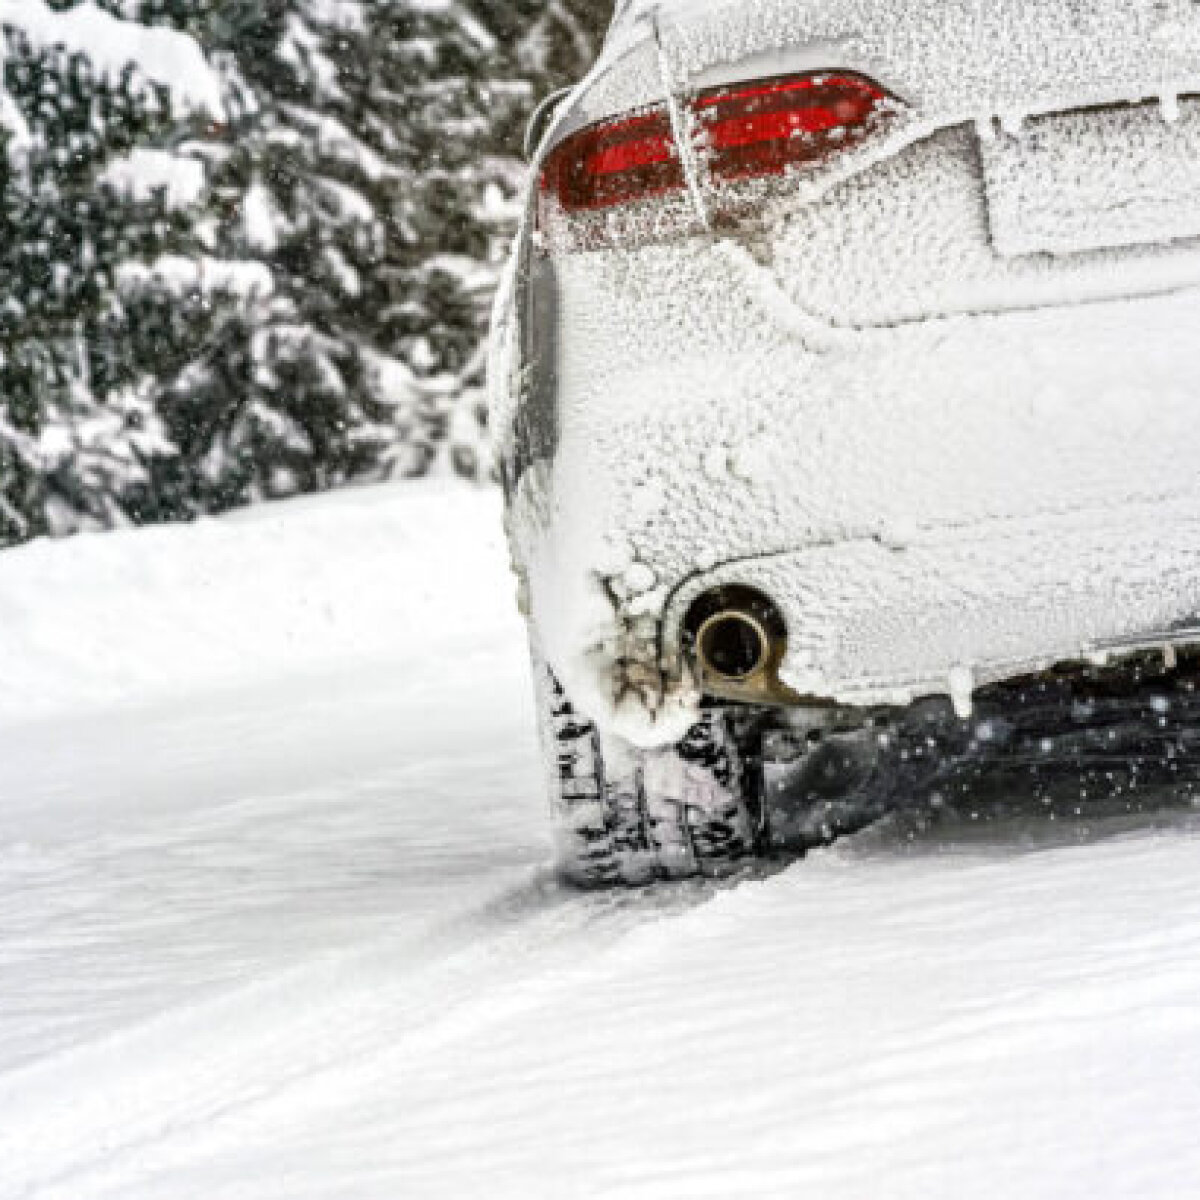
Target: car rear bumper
x: 945, y: 611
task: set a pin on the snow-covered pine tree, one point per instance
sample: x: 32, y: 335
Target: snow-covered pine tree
x: 282, y: 400
x: 439, y: 85
x: 372, y: 173
x: 197, y: 313
x: 93, y: 107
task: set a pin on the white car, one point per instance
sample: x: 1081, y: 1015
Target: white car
x: 846, y: 390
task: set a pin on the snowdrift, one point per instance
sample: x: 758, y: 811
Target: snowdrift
x: 365, y: 580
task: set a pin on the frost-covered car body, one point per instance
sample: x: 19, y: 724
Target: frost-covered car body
x: 931, y: 389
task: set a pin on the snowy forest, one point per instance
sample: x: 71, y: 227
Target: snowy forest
x: 250, y: 245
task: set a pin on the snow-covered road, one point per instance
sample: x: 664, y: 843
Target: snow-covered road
x: 275, y: 923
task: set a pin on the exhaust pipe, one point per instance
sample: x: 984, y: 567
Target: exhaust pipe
x: 732, y: 645
x: 736, y: 639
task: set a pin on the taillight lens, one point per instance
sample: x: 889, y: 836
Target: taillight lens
x: 748, y: 132
x: 745, y: 131
x: 614, y: 162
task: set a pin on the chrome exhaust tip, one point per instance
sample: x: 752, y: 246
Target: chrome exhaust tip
x: 732, y: 645
x: 735, y: 638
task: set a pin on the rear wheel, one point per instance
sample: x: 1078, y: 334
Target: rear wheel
x: 627, y: 816
x: 744, y: 782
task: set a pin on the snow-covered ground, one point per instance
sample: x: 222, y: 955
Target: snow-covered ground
x: 275, y: 922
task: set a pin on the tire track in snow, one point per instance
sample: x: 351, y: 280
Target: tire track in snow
x: 181, y: 1069
x: 134, y: 1095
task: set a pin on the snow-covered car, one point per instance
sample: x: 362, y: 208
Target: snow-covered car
x: 844, y: 384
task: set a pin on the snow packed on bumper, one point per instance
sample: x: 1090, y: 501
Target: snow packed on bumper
x: 729, y: 428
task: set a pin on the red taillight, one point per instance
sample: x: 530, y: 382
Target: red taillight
x: 745, y: 131
x: 768, y: 127
x: 608, y: 164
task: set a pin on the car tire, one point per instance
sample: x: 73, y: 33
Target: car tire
x: 629, y: 817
